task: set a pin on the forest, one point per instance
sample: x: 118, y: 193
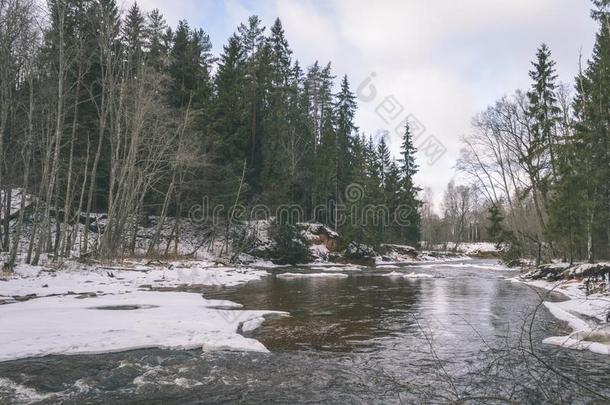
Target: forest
x: 123, y: 116
x: 112, y: 113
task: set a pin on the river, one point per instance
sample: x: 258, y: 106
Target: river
x: 456, y: 331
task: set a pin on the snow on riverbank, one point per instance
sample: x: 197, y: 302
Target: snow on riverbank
x: 97, y: 309
x: 474, y: 248
x: 585, y: 314
x: 76, y: 278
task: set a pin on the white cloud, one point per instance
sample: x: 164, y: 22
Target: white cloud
x: 443, y: 60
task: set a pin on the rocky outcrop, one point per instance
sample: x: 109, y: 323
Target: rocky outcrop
x: 324, y: 245
x: 393, y: 252
x: 358, y: 253
x: 320, y: 235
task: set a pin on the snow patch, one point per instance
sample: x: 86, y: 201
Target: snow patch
x: 76, y: 278
x: 333, y: 269
x: 585, y: 314
x: 398, y: 274
x: 311, y: 275
x: 173, y: 320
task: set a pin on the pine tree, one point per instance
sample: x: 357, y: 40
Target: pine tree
x: 229, y: 131
x: 297, y: 142
x: 274, y: 173
x: 134, y: 37
x: 409, y: 191
x: 280, y: 55
x: 180, y: 67
x: 543, y: 109
x: 392, y: 199
x: 569, y: 207
x: 345, y: 112
x: 251, y: 36
x: 591, y: 153
x: 158, y: 51
x: 326, y: 159
x: 408, y: 164
x: 190, y: 67
x: 255, y: 52
x: 231, y: 140
x: 496, y: 228
x: 601, y: 10
x: 201, y: 50
x: 383, y: 161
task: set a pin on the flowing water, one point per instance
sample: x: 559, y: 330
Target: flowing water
x: 465, y: 333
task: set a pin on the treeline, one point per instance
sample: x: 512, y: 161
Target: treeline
x: 541, y: 158
x: 464, y: 217
x: 126, y: 116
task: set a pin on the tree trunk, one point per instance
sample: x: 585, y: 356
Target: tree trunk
x: 60, y: 5
x: 590, y: 219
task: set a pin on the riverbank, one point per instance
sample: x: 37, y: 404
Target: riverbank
x: 587, y: 305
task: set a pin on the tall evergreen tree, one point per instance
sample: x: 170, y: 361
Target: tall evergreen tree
x: 231, y: 140
x: 255, y: 52
x: 409, y: 191
x: 592, y: 132
x: 543, y: 107
x: 190, y: 67
x: 383, y: 161
x: 345, y: 112
x: 158, y: 51
x: 280, y: 61
x: 326, y: 159
x: 252, y: 36
x: 134, y: 37
x: 276, y: 127
x: 408, y: 164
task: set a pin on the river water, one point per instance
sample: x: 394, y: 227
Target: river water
x: 467, y: 333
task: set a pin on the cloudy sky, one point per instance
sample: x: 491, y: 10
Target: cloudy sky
x: 438, y: 62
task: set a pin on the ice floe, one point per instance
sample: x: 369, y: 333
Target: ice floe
x: 311, y: 275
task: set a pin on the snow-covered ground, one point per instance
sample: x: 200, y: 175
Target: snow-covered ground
x: 469, y: 248
x: 93, y: 309
x: 585, y: 314
x: 76, y: 278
